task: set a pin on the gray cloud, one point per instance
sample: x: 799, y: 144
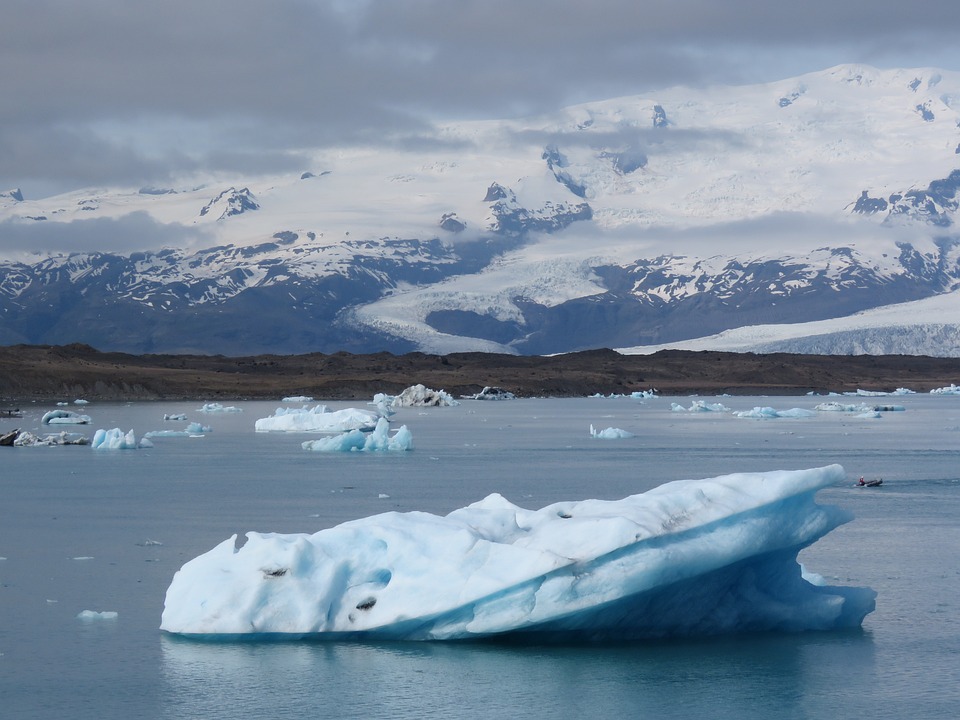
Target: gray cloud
x: 104, y: 91
x: 133, y: 232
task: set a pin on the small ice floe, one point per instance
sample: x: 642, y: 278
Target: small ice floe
x: 25, y: 438
x: 145, y: 443
x: 356, y: 440
x: 218, y: 408
x: 80, y: 401
x: 298, y: 398
x: 83, y: 557
x: 91, y: 615
x: 416, y: 396
x: 383, y: 496
x: 194, y: 429
x: 859, y: 408
x: 768, y: 412
x: 951, y: 389
x: 492, y: 393
x: 317, y: 419
x: 64, y: 417
x: 149, y: 543
x: 114, y: 439
x: 635, y: 395
x: 700, y: 406
x: 174, y: 416
x: 611, y: 433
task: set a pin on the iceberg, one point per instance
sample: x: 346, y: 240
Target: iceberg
x: 951, y: 389
x: 699, y: 406
x: 297, y: 398
x: 691, y: 557
x: 219, y: 408
x: 114, y: 439
x: 611, y: 433
x: 417, y: 396
x: 317, y: 419
x: 64, y: 417
x: 355, y: 440
x: 769, y: 412
x: 491, y: 393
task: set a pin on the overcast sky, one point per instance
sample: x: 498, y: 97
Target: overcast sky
x: 104, y: 92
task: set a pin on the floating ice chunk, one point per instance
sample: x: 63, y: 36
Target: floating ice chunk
x: 196, y: 428
x: 218, y: 408
x: 145, y: 443
x: 379, y: 440
x: 951, y: 389
x: 174, y: 416
x: 492, y: 393
x: 89, y: 615
x: 80, y: 401
x: 297, y: 398
x: 858, y: 408
x: 25, y: 438
x: 64, y: 417
x: 611, y: 433
x: 114, y: 439
x: 420, y: 396
x: 769, y: 412
x: 700, y: 406
x: 694, y: 557
x: 317, y: 419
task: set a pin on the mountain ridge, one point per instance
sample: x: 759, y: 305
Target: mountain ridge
x: 628, y: 222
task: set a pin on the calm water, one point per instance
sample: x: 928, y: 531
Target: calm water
x: 78, y: 531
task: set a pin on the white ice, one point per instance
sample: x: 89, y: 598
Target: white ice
x: 611, y: 433
x: 89, y: 615
x: 699, y: 406
x: 64, y: 417
x: 416, y: 396
x: 769, y: 412
x: 950, y: 389
x: 318, y: 419
x: 174, y: 416
x: 297, y: 398
x: 379, y: 440
x: 192, y: 430
x: 690, y: 557
x: 114, y: 439
x: 218, y: 408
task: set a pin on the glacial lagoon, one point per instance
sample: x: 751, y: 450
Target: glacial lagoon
x: 91, y: 540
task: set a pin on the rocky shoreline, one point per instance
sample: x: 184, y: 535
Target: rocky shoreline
x: 40, y: 372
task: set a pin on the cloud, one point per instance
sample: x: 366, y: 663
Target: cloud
x: 134, y: 232
x: 102, y: 91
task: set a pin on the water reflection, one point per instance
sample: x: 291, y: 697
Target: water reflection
x: 754, y: 676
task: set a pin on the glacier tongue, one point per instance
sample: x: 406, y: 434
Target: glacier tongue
x: 695, y: 557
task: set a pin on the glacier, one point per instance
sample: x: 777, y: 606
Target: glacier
x: 690, y: 557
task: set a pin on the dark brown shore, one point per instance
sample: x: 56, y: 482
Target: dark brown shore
x: 79, y: 371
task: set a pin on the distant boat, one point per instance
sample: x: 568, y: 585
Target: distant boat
x: 869, y: 483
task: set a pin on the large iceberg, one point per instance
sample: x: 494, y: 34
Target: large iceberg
x: 690, y: 557
x: 318, y: 419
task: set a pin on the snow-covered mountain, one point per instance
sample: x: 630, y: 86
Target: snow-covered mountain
x: 637, y: 221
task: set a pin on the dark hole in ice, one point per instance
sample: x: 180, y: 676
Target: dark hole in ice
x: 366, y: 604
